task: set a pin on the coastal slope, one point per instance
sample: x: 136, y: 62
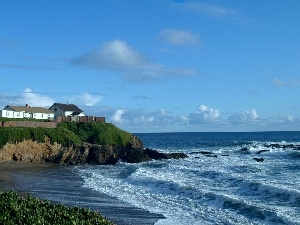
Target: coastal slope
x: 75, y: 143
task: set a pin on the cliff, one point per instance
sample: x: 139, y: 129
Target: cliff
x: 90, y: 143
x: 86, y: 153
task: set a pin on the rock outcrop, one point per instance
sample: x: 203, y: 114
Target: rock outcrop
x: 86, y: 153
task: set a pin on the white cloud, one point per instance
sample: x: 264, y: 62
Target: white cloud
x: 86, y: 99
x: 117, y: 116
x: 286, y: 118
x: 34, y: 99
x: 217, y: 11
x: 119, y: 56
x: 207, y: 9
x: 144, y: 119
x: 244, y: 117
x: 91, y: 100
x: 179, y: 37
x: 204, y: 114
x: 116, y: 54
x: 278, y: 82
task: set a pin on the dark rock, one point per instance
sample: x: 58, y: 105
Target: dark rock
x: 177, y: 155
x: 261, y: 151
x: 210, y: 155
x: 245, y: 150
x: 259, y: 159
x: 202, y: 152
x: 131, y: 155
x: 154, y: 154
x: 205, y: 153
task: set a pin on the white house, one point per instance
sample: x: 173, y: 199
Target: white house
x: 26, y: 112
x: 72, y: 110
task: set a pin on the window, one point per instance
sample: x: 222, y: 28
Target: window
x: 55, y: 109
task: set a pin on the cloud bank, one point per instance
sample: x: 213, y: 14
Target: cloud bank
x: 117, y: 55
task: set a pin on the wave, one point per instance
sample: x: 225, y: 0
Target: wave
x: 200, y: 192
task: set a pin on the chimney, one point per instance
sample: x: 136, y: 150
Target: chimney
x: 27, y: 106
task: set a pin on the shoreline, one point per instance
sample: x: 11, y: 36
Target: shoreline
x: 56, y: 181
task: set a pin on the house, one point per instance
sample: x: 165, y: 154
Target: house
x: 66, y: 110
x: 26, y: 112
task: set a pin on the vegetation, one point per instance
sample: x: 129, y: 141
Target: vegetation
x: 67, y: 133
x: 98, y: 133
x: 19, y: 134
x: 30, y: 210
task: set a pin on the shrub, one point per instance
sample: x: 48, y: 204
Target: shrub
x: 98, y: 133
x: 30, y: 210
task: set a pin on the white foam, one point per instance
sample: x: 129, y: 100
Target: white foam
x: 194, y: 190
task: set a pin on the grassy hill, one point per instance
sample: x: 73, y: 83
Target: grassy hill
x: 68, y: 133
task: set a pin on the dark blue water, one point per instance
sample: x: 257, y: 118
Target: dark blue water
x: 192, y: 140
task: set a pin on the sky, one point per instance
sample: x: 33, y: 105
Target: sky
x: 159, y: 65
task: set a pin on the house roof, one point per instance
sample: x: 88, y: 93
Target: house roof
x: 68, y: 107
x: 30, y: 109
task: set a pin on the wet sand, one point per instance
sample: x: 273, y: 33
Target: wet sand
x: 7, y: 169
x: 59, y: 184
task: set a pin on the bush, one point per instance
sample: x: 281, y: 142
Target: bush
x: 98, y: 133
x: 30, y: 210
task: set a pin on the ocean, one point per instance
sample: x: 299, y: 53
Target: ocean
x: 228, y: 178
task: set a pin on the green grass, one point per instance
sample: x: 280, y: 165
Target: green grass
x: 67, y: 134
x: 15, y: 210
x: 98, y: 133
x: 19, y: 134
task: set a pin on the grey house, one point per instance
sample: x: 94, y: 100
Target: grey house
x: 66, y: 110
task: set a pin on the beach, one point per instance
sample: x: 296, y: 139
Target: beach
x: 59, y: 184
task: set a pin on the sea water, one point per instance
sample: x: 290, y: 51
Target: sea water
x: 227, y: 186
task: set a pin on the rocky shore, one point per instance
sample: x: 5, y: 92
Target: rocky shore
x: 86, y: 153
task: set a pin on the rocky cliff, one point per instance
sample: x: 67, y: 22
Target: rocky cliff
x: 32, y: 151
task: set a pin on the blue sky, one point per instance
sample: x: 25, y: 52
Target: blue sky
x: 157, y: 66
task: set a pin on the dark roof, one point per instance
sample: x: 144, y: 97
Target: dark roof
x: 75, y: 113
x: 68, y: 107
x: 29, y: 109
